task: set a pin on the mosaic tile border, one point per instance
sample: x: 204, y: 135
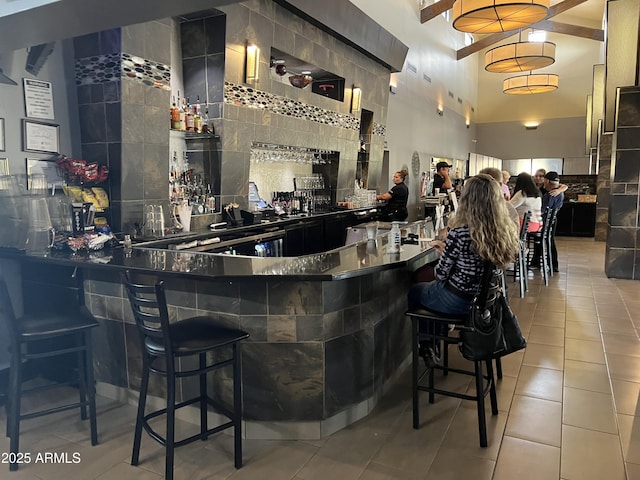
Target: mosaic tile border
x: 116, y: 66
x: 244, y: 96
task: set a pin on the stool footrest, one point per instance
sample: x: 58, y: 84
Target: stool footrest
x: 199, y: 436
x: 61, y: 408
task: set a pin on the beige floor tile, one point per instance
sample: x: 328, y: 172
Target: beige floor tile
x: 540, y: 383
x: 279, y: 460
x: 624, y: 367
x: 629, y: 428
x: 626, y: 397
x: 583, y: 316
x: 633, y: 471
x: 545, y: 356
x: 583, y: 350
x: 620, y: 326
x: 375, y: 471
x: 550, y: 319
x: 583, y: 330
x: 621, y: 344
x: 123, y: 471
x: 523, y: 460
x: 586, y: 376
x: 587, y: 409
x: 590, y: 455
x: 547, y: 425
x: 546, y: 335
x: 463, y: 434
x: 411, y: 450
x: 449, y: 464
x: 511, y: 363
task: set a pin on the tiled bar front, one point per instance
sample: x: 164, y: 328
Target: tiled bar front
x: 317, y: 359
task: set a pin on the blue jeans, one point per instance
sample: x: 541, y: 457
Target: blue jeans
x: 434, y: 296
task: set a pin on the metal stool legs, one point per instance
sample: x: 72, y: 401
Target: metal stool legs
x: 484, y: 383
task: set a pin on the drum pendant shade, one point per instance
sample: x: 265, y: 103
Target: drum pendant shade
x: 492, y: 16
x: 530, y: 84
x: 520, y: 57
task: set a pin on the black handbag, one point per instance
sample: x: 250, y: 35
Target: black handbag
x: 492, y: 329
x: 513, y: 340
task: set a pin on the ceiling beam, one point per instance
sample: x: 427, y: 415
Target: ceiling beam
x: 567, y: 29
x: 435, y: 9
x: 542, y: 25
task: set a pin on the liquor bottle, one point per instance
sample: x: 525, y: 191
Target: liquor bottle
x: 207, y: 125
x: 189, y: 117
x: 197, y: 117
x: 183, y: 114
x: 175, y: 115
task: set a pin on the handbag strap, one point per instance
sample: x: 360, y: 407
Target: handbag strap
x: 481, y: 298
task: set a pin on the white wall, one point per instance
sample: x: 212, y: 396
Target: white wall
x: 414, y: 128
x: 58, y: 69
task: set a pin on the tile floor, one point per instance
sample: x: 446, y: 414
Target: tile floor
x: 568, y: 409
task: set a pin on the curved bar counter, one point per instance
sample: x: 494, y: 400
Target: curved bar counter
x: 327, y: 330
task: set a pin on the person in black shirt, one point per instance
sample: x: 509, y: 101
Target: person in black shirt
x: 441, y: 179
x: 397, y: 198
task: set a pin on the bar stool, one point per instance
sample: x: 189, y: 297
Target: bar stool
x: 520, y: 266
x: 162, y: 344
x: 436, y: 338
x: 43, y: 336
x: 541, y: 242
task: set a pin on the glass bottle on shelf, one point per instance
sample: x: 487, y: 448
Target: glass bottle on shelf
x: 189, y: 117
x: 175, y: 115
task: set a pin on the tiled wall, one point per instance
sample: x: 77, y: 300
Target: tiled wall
x: 604, y: 186
x: 122, y: 78
x: 267, y: 24
x: 623, y: 241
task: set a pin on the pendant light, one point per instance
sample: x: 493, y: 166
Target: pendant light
x: 530, y: 84
x: 520, y: 57
x: 492, y: 16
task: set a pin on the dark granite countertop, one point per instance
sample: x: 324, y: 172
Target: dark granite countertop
x: 350, y: 261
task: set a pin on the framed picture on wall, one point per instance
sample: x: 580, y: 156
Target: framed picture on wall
x: 46, y: 168
x: 2, y: 147
x: 41, y: 137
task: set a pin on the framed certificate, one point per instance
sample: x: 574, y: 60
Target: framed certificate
x: 2, y: 146
x: 40, y: 137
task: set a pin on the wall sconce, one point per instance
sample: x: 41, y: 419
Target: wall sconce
x: 467, y: 123
x: 393, y: 89
x: 440, y: 110
x: 252, y: 67
x: 356, y: 97
x: 531, y: 125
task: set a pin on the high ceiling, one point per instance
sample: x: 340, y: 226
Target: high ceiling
x: 578, y: 48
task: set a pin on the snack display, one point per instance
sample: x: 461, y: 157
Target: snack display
x: 79, y: 172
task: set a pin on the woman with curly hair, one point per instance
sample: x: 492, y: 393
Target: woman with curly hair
x: 480, y: 231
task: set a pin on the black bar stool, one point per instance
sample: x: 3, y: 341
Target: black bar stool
x: 541, y: 243
x: 436, y: 338
x: 520, y: 266
x: 46, y: 335
x: 162, y: 344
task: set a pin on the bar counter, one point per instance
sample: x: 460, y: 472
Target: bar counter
x: 327, y: 330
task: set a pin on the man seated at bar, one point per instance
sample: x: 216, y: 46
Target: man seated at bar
x: 442, y: 180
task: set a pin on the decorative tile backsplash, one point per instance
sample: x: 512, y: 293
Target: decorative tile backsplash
x: 244, y: 96
x: 116, y: 66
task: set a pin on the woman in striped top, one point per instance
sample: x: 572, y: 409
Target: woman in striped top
x: 480, y: 231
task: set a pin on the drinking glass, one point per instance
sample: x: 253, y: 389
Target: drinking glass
x: 38, y: 184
